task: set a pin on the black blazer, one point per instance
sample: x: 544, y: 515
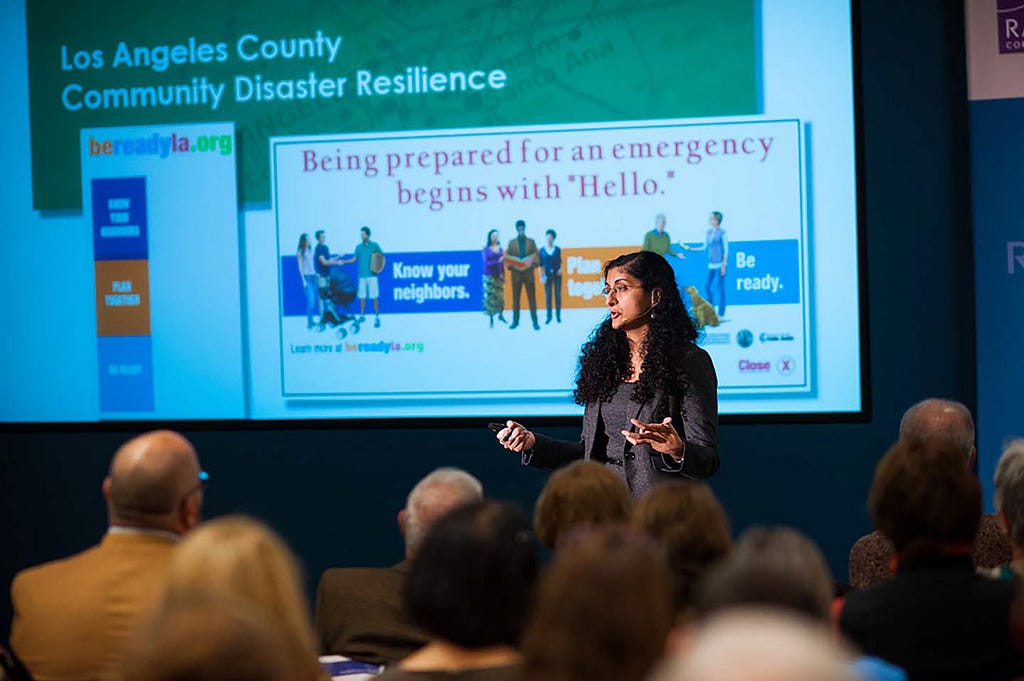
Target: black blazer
x: 936, y: 619
x: 694, y: 411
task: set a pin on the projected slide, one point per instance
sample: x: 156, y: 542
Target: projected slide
x: 429, y: 202
x: 281, y: 212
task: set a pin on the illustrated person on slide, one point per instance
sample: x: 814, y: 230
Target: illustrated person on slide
x: 658, y: 241
x: 717, y: 245
x: 307, y: 273
x: 322, y: 262
x: 494, y: 277
x: 521, y: 259
x: 649, y: 392
x: 369, y: 268
x: 551, y: 275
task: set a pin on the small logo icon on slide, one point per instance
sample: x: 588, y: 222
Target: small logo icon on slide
x: 716, y: 339
x: 745, y: 338
x: 1010, y: 20
x: 775, y: 337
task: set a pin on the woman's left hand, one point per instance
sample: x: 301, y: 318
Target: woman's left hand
x: 662, y: 437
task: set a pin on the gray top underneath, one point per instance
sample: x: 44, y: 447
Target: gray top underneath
x: 615, y: 415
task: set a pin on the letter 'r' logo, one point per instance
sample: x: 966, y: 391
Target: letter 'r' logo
x: 1010, y: 21
x: 1014, y: 256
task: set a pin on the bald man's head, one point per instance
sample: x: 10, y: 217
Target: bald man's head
x: 943, y: 424
x: 154, y: 482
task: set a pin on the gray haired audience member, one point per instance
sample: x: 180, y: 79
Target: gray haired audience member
x: 470, y: 587
x: 435, y: 495
x: 776, y: 567
x: 359, y: 612
x: 781, y: 569
x: 1009, y: 502
x: 760, y: 645
x: 943, y: 425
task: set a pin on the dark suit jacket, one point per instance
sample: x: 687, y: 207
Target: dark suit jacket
x: 937, y: 620
x: 73, y: 617
x: 359, y: 614
x: 694, y: 412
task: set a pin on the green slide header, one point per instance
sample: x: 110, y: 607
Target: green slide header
x: 278, y: 68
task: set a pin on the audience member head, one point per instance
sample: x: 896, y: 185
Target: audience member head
x: 471, y: 582
x: 924, y: 500
x: 239, y: 557
x: 432, y: 497
x: 760, y: 645
x: 582, y: 493
x: 603, y: 609
x: 207, y: 639
x: 943, y: 424
x: 154, y: 482
x: 1009, y: 493
x: 691, y: 525
x: 772, y: 567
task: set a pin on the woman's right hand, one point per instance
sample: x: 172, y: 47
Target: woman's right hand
x: 516, y: 437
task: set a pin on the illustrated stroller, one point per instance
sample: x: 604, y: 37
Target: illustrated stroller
x: 337, y: 292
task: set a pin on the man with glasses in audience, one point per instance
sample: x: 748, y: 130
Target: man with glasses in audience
x: 72, y: 617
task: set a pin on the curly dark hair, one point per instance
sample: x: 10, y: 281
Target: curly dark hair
x: 605, y: 361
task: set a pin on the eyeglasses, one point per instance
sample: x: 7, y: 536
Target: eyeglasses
x: 619, y: 289
x: 203, y: 478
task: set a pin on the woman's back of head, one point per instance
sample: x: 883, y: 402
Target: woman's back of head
x: 771, y: 567
x: 473, y: 576
x: 582, y: 493
x: 760, y: 645
x: 603, y: 609
x: 925, y: 500
x: 207, y: 638
x: 239, y: 557
x: 692, y: 527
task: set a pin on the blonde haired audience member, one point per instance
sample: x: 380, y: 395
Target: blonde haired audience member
x: 207, y: 639
x: 760, y: 645
x: 239, y: 557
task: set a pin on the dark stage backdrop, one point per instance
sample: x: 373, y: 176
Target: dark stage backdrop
x: 334, y: 494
